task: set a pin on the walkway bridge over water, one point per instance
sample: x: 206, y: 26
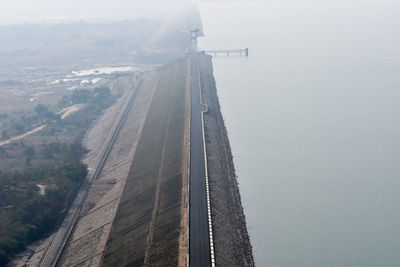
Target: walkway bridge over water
x: 228, y: 53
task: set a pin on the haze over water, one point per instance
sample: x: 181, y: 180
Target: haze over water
x: 313, y: 117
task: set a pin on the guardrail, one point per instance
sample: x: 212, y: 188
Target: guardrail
x: 228, y: 53
x: 210, y: 228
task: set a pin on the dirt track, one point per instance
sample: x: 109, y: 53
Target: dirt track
x: 16, y: 138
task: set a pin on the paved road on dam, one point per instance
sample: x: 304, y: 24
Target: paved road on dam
x: 199, y: 244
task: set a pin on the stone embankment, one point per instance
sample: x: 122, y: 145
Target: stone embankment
x: 232, y: 243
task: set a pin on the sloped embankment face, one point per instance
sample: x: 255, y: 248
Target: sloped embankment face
x: 87, y: 242
x: 147, y: 226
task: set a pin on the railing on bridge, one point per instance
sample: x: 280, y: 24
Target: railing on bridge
x: 228, y: 53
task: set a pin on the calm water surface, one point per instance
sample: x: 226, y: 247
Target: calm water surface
x: 313, y: 117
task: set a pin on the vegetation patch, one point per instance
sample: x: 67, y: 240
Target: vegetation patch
x: 42, y: 173
x: 33, y: 201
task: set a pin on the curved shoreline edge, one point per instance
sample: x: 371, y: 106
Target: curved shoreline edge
x: 232, y: 242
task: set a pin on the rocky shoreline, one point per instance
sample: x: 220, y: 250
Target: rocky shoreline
x: 232, y: 242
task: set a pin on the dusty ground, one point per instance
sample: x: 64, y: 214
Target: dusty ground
x: 232, y: 243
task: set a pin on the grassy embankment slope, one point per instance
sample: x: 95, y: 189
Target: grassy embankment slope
x: 148, y: 225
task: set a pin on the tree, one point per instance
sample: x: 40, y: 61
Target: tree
x: 81, y: 96
x: 51, y: 149
x: 102, y: 91
x: 29, y: 152
x: 42, y: 110
x: 64, y: 102
x: 19, y: 127
x: 4, y: 134
x: 44, y: 113
x: 3, y: 152
x: 73, y: 170
x: 102, y: 96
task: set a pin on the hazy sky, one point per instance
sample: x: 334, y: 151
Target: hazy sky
x: 17, y: 11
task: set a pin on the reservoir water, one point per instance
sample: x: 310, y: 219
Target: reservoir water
x: 313, y: 116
